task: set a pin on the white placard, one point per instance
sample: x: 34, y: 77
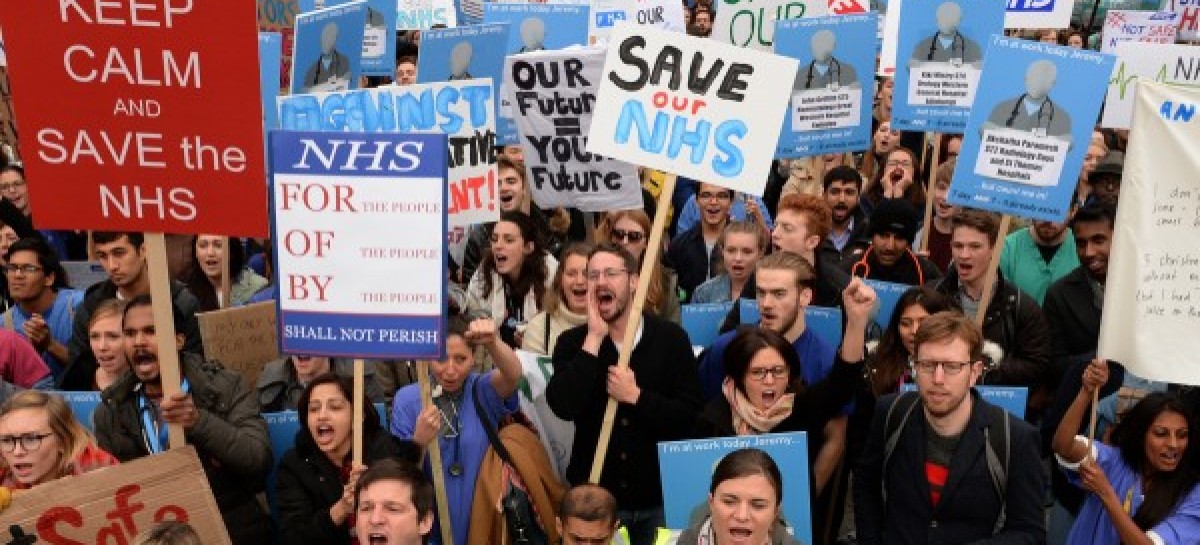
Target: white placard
x: 751, y: 23
x: 1138, y: 62
x: 829, y: 108
x: 1156, y: 27
x: 942, y: 84
x: 1021, y: 156
x: 1038, y: 13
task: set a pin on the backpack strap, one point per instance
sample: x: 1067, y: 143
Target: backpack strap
x: 893, y: 427
x: 488, y: 427
x: 998, y: 451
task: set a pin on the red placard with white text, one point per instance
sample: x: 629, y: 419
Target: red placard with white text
x: 139, y: 115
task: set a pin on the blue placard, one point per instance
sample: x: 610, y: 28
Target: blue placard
x: 379, y: 37
x: 534, y: 27
x: 1030, y: 128
x: 703, y: 321
x: 83, y: 405
x: 1009, y: 398
x: 887, y: 295
x: 687, y: 468
x: 940, y: 50
x: 825, y: 323
x: 328, y: 54
x: 830, y: 109
x: 466, y: 52
x: 345, y: 185
x: 270, y: 60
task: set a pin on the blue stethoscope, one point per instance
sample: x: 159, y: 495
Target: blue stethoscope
x: 958, y: 41
x: 834, y: 74
x: 154, y: 435
x: 1038, y: 128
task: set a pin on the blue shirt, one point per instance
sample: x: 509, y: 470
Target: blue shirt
x: 60, y: 319
x: 468, y: 449
x: 816, y: 361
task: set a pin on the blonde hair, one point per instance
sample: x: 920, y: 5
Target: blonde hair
x: 113, y: 307
x: 71, y: 435
x: 656, y: 298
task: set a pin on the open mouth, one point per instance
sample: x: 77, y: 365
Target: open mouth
x: 376, y: 538
x: 1169, y: 459
x: 507, y: 198
x: 144, y: 359
x: 22, y: 469
x: 501, y: 260
x: 606, y: 298
x: 769, y: 397
x: 325, y: 434
x: 740, y: 535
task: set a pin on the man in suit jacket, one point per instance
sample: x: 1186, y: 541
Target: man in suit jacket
x: 938, y: 487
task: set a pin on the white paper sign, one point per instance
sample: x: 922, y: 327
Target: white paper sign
x: 1038, y: 13
x: 891, y: 38
x: 1189, y: 17
x: 942, y: 84
x: 1157, y: 27
x: 1137, y: 62
x: 751, y: 23
x: 1151, y: 304
x: 655, y: 110
x: 1017, y: 156
x: 830, y: 108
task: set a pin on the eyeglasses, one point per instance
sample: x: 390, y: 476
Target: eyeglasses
x: 611, y: 274
x: 760, y: 373
x: 30, y: 441
x: 23, y: 269
x: 903, y: 164
x: 928, y: 367
x: 12, y: 185
x: 707, y: 196
x: 628, y: 236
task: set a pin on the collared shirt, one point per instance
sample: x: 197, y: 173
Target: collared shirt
x: 840, y: 241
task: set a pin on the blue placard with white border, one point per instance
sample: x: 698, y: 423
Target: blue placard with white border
x: 328, y: 49
x: 332, y: 194
x: 1029, y: 128
x: 825, y: 323
x: 687, y: 467
x: 534, y: 27
x: 939, y: 59
x: 1009, y: 398
x: 465, y: 52
x: 270, y: 58
x: 830, y: 108
x: 379, y: 37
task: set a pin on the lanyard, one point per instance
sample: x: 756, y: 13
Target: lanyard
x: 155, y: 435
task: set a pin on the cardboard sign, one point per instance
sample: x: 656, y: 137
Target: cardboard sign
x: 243, y: 339
x: 687, y: 468
x: 830, y: 110
x: 552, y: 93
x: 328, y: 54
x: 115, y: 504
x: 533, y: 27
x: 1138, y: 62
x: 147, y: 117
x: 463, y: 110
x: 423, y: 14
x: 940, y: 50
x: 751, y: 23
x: 661, y: 14
x: 1189, y: 17
x: 345, y: 290
x: 279, y: 16
x: 1151, y: 27
x: 1150, y: 305
x: 690, y: 106
x: 1029, y: 128
x: 1038, y: 13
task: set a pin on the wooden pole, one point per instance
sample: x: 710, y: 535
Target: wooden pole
x: 649, y: 261
x: 435, y: 457
x: 993, y: 269
x: 227, y: 273
x: 360, y: 404
x: 164, y: 326
x: 930, y: 187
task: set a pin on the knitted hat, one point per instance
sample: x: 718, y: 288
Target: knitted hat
x: 894, y: 216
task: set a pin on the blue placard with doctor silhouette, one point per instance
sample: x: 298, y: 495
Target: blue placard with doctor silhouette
x: 461, y: 53
x: 328, y: 53
x: 687, y: 466
x: 830, y: 108
x: 379, y: 34
x: 1029, y: 130
x: 533, y: 27
x: 939, y: 59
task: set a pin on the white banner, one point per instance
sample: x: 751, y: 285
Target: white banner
x: 1146, y: 62
x: 1155, y: 27
x: 1151, y: 303
x: 557, y: 435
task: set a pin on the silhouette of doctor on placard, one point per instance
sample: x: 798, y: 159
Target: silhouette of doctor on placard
x: 533, y: 35
x: 460, y: 61
x: 1034, y: 110
x: 948, y: 45
x: 825, y: 71
x: 332, y: 68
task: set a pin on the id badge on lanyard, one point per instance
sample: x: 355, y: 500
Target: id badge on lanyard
x: 1039, y: 132
x: 956, y: 61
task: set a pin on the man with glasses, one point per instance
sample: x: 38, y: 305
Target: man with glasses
x: 695, y: 253
x: 942, y: 465
x: 45, y: 307
x: 658, y: 394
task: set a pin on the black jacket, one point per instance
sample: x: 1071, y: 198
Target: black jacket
x: 687, y: 256
x: 665, y: 370
x: 910, y: 269
x: 1074, y: 320
x: 858, y: 242
x: 230, y: 439
x: 968, y: 507
x: 308, y: 484
x: 81, y: 367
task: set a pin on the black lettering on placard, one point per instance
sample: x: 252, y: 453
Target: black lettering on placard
x: 625, y: 51
x: 670, y: 62
x: 479, y: 148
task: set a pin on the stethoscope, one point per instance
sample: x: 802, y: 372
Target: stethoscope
x: 834, y: 74
x: 153, y: 435
x: 455, y: 425
x: 957, y: 41
x: 321, y: 68
x: 865, y: 268
x: 1038, y: 129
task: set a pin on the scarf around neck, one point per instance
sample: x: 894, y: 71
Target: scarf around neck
x: 750, y: 420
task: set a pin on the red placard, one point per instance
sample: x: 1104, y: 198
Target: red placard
x: 139, y: 115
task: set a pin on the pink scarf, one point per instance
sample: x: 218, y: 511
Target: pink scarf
x: 750, y: 420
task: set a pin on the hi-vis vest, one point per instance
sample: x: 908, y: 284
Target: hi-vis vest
x: 662, y: 537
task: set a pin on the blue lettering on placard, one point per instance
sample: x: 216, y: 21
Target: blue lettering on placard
x: 605, y: 19
x: 1031, y: 5
x: 383, y: 111
x: 421, y: 18
x: 729, y: 162
x: 1177, y: 112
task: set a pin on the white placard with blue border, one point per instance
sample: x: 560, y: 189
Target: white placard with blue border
x: 328, y: 49
x: 687, y: 467
x: 830, y: 109
x: 940, y: 51
x: 533, y: 27
x: 1030, y: 128
x: 332, y: 194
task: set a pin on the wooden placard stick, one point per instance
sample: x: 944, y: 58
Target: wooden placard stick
x: 435, y: 456
x: 164, y: 326
x: 635, y: 317
x: 360, y: 403
x: 989, y: 281
x: 929, y: 190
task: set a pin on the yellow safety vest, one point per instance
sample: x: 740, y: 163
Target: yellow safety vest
x: 661, y: 537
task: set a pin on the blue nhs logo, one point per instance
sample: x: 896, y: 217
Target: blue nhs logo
x: 1031, y: 5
